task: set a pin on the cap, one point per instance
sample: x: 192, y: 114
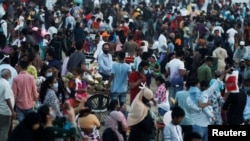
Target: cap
x: 105, y: 34
x: 247, y: 58
x: 242, y: 43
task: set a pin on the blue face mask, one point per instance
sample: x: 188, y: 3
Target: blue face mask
x: 55, y: 86
x: 146, y: 71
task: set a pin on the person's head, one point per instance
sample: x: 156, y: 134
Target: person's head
x: 50, y: 54
x: 35, y: 48
x: 23, y: 64
x: 152, y: 59
x: 192, y: 136
x: 204, y: 85
x: 32, y: 121
x: 86, y: 110
x: 31, y: 57
x: 177, y: 115
x: 5, y: 73
x: 79, y: 45
x: 47, y: 114
x: 121, y: 55
x: 193, y: 82
x: 209, y: 61
x: 217, y: 32
x: 143, y: 66
x: 70, y: 51
x: 113, y: 105
x: 46, y: 71
x: 159, y: 80
x: 49, y: 83
x: 180, y: 54
x: 105, y: 48
x: 242, y: 44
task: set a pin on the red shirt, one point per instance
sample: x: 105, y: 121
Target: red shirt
x: 133, y: 77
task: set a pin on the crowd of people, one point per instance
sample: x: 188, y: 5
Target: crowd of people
x: 184, y: 51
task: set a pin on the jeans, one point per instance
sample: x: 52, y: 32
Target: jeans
x: 21, y: 114
x: 121, y: 97
x: 162, y: 56
x: 203, y: 131
x: 5, y: 122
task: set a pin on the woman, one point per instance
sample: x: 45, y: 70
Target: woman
x: 161, y: 96
x: 89, y: 124
x: 140, y: 120
x: 136, y: 78
x: 51, y: 129
x: 27, y: 130
x: 48, y: 94
x: 116, y: 121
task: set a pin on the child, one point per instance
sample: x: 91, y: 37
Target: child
x: 173, y: 131
x: 81, y: 86
x: 155, y: 66
x: 161, y: 96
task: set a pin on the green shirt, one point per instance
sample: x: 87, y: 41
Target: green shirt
x: 204, y: 73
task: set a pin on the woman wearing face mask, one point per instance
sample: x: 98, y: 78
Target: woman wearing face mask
x: 51, y: 129
x: 27, y: 130
x: 48, y: 94
x: 136, y: 78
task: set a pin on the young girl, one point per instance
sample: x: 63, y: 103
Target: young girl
x: 161, y: 96
x: 81, y: 86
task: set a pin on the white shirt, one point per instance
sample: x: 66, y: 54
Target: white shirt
x: 52, y: 30
x: 21, y: 20
x: 231, y: 33
x: 172, y: 132
x: 4, y: 28
x: 5, y: 93
x: 174, y: 66
x: 162, y: 41
x: 98, y: 50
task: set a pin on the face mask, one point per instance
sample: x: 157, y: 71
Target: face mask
x: 49, y: 74
x: 146, y: 71
x: 105, y: 51
x: 55, y: 86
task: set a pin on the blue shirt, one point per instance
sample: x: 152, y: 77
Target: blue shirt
x: 120, y: 81
x: 105, y: 63
x: 246, y: 113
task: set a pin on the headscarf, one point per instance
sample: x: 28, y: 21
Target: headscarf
x: 138, y: 110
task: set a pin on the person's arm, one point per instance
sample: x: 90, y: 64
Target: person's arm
x: 192, y: 105
x: 11, y: 109
x: 34, y: 90
x: 134, y: 81
x: 85, y: 69
x: 96, y: 122
x: 101, y: 63
x: 226, y: 107
x: 14, y: 89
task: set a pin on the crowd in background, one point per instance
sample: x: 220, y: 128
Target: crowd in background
x: 186, y: 50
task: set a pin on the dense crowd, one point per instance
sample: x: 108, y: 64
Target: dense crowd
x: 189, y: 60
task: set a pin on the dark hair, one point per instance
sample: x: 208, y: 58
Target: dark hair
x: 180, y: 53
x: 86, y: 111
x: 105, y: 45
x: 78, y: 71
x: 31, y: 119
x: 209, y: 58
x: 44, y: 69
x: 109, y: 135
x: 51, y: 52
x: 35, y: 48
x: 79, y: 45
x: 142, y: 64
x: 30, y: 57
x: 23, y: 64
x: 177, y: 112
x: 43, y: 111
x: 193, y: 81
x: 112, y: 105
x: 204, y: 84
x: 190, y: 136
x: 70, y: 51
x: 44, y: 87
x: 121, y: 55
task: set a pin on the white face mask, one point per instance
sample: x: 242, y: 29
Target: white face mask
x: 55, y: 86
x: 146, y: 71
x: 49, y: 74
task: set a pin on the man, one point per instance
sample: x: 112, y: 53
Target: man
x: 70, y: 20
x: 105, y: 38
x: 204, y: 71
x: 221, y: 54
x: 240, y: 52
x: 4, y: 26
x: 177, y: 71
x: 50, y: 57
x: 105, y: 62
x: 163, y: 47
x: 246, y: 74
x: 130, y: 46
x: 77, y: 59
x: 6, y: 104
x: 119, y: 76
x: 25, y: 91
x: 5, y: 64
x: 231, y: 32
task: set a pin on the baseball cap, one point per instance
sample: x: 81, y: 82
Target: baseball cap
x: 105, y: 34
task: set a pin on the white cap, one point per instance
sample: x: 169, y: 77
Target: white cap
x: 242, y: 43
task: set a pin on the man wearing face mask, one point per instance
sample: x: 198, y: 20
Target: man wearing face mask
x: 6, y: 104
x: 105, y: 62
